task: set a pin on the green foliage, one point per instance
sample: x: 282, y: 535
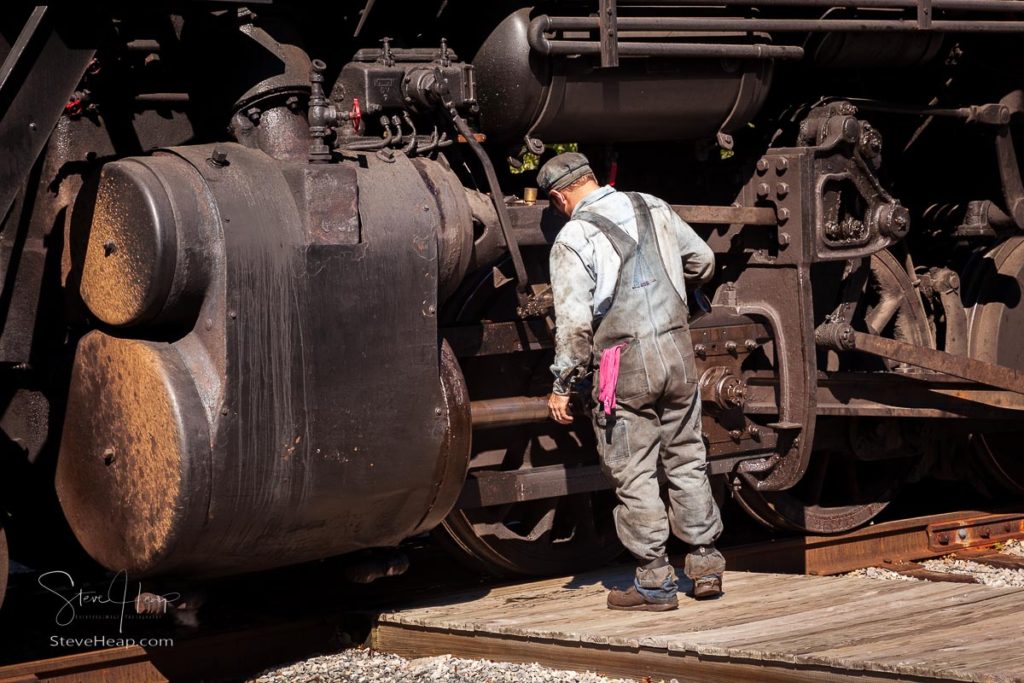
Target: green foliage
x: 531, y: 162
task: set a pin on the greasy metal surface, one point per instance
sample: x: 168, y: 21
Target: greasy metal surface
x: 132, y: 247
x: 145, y: 259
x: 134, y: 468
x: 285, y: 360
x: 453, y: 460
x: 503, y: 488
x: 455, y: 224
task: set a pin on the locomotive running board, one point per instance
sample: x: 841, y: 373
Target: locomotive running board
x: 841, y: 337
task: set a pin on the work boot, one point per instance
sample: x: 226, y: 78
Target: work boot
x: 631, y: 599
x: 653, y: 590
x: 705, y: 566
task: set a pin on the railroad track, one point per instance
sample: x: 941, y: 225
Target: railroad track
x: 896, y: 545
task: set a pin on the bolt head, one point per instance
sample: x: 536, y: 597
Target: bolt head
x: 219, y: 157
x: 763, y: 189
x: 762, y: 166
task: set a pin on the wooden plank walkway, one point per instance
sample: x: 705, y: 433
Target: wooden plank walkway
x: 767, y: 627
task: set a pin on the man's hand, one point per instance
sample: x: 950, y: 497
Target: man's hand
x: 558, y: 406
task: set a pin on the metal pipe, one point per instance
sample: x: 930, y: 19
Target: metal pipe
x: 992, y: 114
x: 957, y: 5
x: 780, y: 25
x: 698, y: 50
x: 143, y: 45
x: 498, y: 199
x: 506, y: 412
x: 162, y: 98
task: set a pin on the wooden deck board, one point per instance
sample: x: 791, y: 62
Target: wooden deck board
x: 797, y: 628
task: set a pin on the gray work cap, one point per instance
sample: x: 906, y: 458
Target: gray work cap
x: 562, y: 171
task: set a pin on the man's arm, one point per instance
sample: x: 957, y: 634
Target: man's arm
x: 572, y: 287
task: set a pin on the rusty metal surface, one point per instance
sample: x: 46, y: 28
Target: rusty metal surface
x: 978, y: 371
x: 898, y: 541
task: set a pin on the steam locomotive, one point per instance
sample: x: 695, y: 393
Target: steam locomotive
x: 275, y: 283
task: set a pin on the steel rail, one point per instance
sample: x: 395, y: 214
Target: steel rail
x: 904, y: 540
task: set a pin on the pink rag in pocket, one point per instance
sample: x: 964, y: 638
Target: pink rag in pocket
x: 609, y: 370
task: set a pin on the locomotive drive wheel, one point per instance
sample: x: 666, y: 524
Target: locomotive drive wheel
x: 994, y: 285
x: 537, y: 537
x: 837, y: 493
x: 840, y: 491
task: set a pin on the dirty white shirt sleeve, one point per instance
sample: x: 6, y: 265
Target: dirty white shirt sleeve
x: 572, y: 287
x: 698, y: 258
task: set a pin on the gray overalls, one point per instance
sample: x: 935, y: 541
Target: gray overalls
x: 658, y: 417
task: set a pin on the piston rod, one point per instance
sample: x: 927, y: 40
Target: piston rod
x: 842, y: 337
x: 506, y: 412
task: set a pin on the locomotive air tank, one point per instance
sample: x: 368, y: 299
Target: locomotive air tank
x: 560, y: 98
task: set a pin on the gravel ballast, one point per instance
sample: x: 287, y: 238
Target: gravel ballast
x: 997, y: 577
x: 367, y: 666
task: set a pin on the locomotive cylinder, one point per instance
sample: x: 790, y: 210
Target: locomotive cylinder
x: 305, y: 408
x: 565, y: 99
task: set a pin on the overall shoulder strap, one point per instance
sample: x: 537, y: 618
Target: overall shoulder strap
x: 644, y: 219
x: 621, y: 242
